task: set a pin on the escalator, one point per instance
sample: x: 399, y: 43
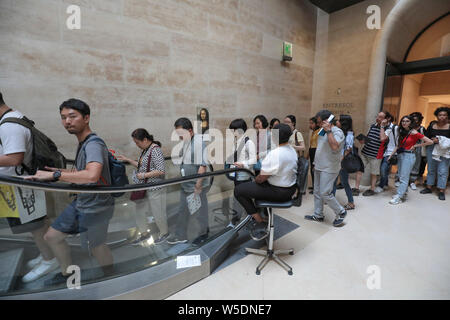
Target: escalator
x: 141, y: 271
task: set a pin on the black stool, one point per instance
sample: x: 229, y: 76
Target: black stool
x: 269, y: 253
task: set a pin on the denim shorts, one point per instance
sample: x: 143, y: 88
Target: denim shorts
x: 92, y: 227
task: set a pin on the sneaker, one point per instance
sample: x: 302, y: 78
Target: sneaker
x: 441, y: 195
x: 426, y: 190
x: 34, y: 262
x: 355, y: 192
x: 175, y: 240
x: 139, y: 239
x: 378, y: 190
x: 340, y: 186
x: 314, y: 218
x: 57, y: 279
x: 397, y: 183
x: 339, y: 221
x: 161, y: 239
x: 41, y: 270
x: 413, y: 186
x: 395, y: 200
x: 368, y: 192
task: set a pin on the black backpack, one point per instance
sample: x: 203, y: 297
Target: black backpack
x: 117, y: 169
x: 45, y: 152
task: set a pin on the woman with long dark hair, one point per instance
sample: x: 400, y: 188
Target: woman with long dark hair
x: 296, y: 139
x: 345, y: 123
x: 150, y: 169
x: 441, y: 128
x: 407, y: 139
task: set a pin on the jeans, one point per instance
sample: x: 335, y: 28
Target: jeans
x: 406, y: 162
x: 385, y: 169
x: 437, y: 168
x: 344, y: 180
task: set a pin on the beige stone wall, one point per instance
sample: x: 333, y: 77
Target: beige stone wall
x: 343, y: 58
x: 144, y: 63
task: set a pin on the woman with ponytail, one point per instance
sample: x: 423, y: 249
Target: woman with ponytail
x: 150, y: 169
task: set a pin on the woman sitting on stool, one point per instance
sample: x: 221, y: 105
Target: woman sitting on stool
x: 276, y: 182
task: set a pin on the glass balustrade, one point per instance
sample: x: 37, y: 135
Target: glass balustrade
x: 113, y: 236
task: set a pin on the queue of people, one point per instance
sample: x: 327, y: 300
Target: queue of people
x: 273, y: 156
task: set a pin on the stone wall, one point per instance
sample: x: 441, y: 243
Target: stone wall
x: 144, y: 63
x: 343, y: 58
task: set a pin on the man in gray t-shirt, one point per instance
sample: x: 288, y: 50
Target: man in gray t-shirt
x: 194, y: 160
x: 88, y: 214
x: 327, y: 164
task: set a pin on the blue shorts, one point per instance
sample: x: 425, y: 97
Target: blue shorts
x: 92, y: 227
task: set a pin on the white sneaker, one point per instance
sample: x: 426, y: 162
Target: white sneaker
x: 34, y: 262
x: 413, y: 186
x: 397, y: 183
x: 41, y: 270
x: 395, y: 200
x: 378, y: 190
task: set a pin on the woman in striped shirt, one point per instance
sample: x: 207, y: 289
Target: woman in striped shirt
x: 150, y: 169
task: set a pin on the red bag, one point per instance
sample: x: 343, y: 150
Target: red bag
x: 138, y: 195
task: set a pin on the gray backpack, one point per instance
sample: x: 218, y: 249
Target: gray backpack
x: 45, y: 152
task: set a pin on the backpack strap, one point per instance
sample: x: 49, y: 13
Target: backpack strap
x: 91, y: 137
x: 27, y: 123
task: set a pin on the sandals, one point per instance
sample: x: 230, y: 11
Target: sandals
x: 348, y: 206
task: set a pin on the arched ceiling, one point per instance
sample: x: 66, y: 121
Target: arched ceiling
x: 411, y: 22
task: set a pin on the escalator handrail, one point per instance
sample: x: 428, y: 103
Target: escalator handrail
x: 66, y: 187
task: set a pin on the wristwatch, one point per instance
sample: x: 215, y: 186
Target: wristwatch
x: 56, y: 175
x: 327, y: 132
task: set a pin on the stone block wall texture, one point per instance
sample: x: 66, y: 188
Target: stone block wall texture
x: 144, y: 63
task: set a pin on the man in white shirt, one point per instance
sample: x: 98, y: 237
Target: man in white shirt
x: 16, y: 148
x: 276, y: 181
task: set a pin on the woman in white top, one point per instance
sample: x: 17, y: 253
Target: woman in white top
x: 244, y: 151
x: 277, y: 180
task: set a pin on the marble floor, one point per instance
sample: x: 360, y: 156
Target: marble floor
x: 382, y: 252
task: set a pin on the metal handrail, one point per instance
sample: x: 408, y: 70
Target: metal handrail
x: 65, y: 187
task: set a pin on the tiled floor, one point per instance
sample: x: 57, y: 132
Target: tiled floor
x: 409, y: 243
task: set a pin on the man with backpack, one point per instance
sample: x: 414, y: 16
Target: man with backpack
x: 16, y: 149
x: 89, y: 214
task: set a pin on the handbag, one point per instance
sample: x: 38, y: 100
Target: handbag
x: 351, y: 163
x: 140, y: 194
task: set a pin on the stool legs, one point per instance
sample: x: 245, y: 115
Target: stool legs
x: 270, y: 254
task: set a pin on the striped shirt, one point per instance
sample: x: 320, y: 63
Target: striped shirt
x: 372, y: 147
